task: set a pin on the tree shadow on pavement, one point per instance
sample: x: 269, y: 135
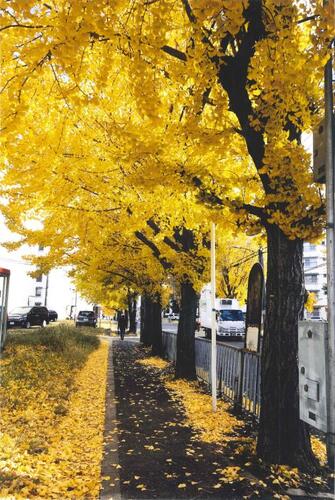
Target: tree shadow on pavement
x: 149, y: 453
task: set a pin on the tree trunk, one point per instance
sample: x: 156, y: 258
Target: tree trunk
x: 131, y: 298
x: 157, y: 343
x: 283, y: 438
x: 185, y: 364
x: 147, y: 330
x: 142, y: 313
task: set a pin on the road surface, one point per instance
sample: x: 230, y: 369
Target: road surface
x: 172, y: 326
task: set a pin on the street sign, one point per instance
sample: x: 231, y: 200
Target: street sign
x: 254, y: 308
x: 319, y: 153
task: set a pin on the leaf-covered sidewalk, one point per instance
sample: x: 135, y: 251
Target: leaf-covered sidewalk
x: 157, y: 457
x: 153, y: 448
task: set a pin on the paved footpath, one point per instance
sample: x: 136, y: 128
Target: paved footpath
x: 148, y: 452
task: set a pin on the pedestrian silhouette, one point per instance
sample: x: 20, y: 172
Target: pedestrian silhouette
x: 122, y: 323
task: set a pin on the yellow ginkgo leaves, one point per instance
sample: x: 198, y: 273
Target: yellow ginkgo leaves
x: 46, y: 452
x: 154, y: 362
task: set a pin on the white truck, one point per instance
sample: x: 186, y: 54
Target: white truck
x: 229, y: 315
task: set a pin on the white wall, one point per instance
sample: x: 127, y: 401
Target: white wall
x: 61, y: 293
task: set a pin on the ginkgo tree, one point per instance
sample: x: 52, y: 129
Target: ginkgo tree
x: 219, y: 95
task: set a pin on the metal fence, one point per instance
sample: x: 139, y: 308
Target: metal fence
x: 238, y: 370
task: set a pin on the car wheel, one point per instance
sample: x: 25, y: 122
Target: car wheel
x: 44, y: 324
x: 28, y: 324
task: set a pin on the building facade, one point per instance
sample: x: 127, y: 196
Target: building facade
x: 54, y: 290
x: 315, y: 270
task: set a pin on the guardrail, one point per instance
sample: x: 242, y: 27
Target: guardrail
x: 238, y: 370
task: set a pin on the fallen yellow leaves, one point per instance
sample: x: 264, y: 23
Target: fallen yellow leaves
x: 319, y: 450
x: 230, y: 475
x: 154, y: 362
x: 51, y: 440
x: 210, y: 427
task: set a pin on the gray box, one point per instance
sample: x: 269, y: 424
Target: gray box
x: 319, y: 153
x: 312, y: 373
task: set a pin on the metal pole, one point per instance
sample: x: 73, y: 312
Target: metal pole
x: 46, y: 291
x: 213, y: 294
x: 330, y: 361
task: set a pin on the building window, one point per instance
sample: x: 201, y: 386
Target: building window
x: 38, y: 291
x: 39, y: 278
x: 311, y: 278
x: 310, y: 261
x: 316, y: 314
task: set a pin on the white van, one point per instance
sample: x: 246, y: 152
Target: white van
x: 229, y: 315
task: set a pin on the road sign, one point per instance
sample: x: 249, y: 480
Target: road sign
x: 254, y: 308
x: 319, y: 153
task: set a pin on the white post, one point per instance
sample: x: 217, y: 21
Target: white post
x: 330, y: 203
x: 213, y: 294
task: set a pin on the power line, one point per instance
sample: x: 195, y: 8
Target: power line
x: 16, y: 261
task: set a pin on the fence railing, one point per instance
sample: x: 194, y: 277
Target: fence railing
x: 238, y: 370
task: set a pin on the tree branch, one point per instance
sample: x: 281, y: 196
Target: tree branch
x: 155, y: 250
x: 174, y: 52
x: 189, y: 11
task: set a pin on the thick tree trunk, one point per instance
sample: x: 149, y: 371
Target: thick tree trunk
x: 142, y: 313
x: 185, y: 364
x: 151, y: 324
x: 147, y: 330
x: 157, y: 343
x: 283, y: 438
x: 132, y: 312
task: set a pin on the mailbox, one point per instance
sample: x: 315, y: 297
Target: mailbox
x: 312, y: 373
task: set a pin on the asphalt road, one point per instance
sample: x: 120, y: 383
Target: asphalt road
x: 172, y: 326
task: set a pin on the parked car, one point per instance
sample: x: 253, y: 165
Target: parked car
x: 28, y: 316
x: 53, y: 316
x: 86, y: 318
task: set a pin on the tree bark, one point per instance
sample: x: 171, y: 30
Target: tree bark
x: 157, y: 342
x: 283, y: 438
x: 185, y: 364
x: 147, y: 330
x: 142, y: 313
x: 132, y: 312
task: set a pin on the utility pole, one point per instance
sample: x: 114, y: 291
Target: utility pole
x: 330, y: 203
x: 213, y: 317
x: 46, y: 290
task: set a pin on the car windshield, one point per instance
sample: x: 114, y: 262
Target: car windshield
x: 20, y: 310
x: 231, y: 315
x: 86, y: 314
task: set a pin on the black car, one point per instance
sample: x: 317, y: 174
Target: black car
x: 53, y: 316
x: 28, y: 316
x: 86, y: 318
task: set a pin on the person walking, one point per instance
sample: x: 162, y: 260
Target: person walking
x: 122, y: 324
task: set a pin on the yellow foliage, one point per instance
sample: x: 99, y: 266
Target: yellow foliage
x: 319, y: 450
x: 154, y: 361
x: 310, y: 302
x: 51, y: 439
